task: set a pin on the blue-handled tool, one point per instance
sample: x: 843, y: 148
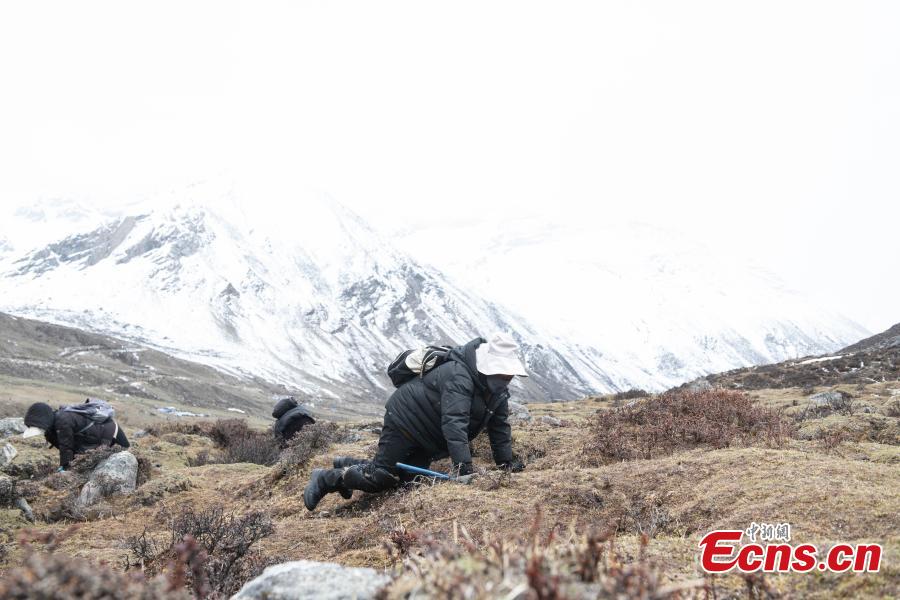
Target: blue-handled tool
x: 435, y: 474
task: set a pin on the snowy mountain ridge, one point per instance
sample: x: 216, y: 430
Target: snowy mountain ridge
x: 320, y: 304
x: 315, y: 299
x: 672, y: 304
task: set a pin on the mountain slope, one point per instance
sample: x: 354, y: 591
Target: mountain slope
x: 641, y: 295
x: 320, y: 304
x: 884, y: 340
x: 56, y: 356
x: 873, y: 360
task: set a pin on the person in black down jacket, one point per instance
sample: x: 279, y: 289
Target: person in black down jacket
x: 290, y: 418
x: 435, y: 416
x: 72, y: 433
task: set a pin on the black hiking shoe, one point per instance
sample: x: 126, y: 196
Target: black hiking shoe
x: 340, y: 462
x: 321, y: 483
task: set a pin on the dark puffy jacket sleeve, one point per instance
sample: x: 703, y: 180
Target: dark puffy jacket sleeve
x: 500, y: 433
x: 65, y: 438
x: 456, y: 406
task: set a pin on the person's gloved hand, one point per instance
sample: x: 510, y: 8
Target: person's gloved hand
x: 60, y: 470
x: 513, y: 466
x: 464, y: 469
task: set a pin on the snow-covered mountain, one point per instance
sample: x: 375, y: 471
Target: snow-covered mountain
x: 663, y: 307
x: 314, y: 298
x: 317, y: 301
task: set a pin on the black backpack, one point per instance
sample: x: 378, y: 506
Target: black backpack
x: 410, y: 364
x: 283, y: 405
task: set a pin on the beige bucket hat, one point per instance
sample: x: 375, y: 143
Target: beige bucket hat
x: 499, y: 356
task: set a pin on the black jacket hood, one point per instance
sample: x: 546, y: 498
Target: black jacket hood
x: 40, y: 414
x: 465, y: 355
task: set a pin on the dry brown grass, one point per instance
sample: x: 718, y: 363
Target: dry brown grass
x: 682, y: 420
x: 846, y: 493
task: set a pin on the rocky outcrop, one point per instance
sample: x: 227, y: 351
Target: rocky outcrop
x: 309, y: 579
x: 827, y: 402
x: 115, y: 475
x: 7, y: 454
x: 518, y: 413
x: 11, y: 426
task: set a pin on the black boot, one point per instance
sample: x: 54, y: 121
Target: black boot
x: 322, y: 482
x: 339, y: 462
x: 369, y: 478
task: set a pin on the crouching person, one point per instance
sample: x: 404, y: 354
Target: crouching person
x: 290, y: 418
x: 434, y: 416
x: 75, y: 429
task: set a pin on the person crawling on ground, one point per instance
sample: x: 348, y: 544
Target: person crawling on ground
x: 290, y: 418
x: 74, y: 429
x: 434, y: 416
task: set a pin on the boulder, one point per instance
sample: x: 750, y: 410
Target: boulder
x: 310, y: 579
x: 549, y: 420
x: 826, y: 402
x: 12, y: 426
x: 7, y: 454
x: 518, y: 413
x: 115, y: 475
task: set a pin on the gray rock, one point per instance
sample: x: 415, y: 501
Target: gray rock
x: 549, y: 420
x: 7, y: 454
x: 826, y: 402
x: 12, y: 426
x: 518, y: 413
x: 139, y: 434
x: 115, y: 475
x: 22, y: 504
x: 310, y: 579
x: 701, y: 384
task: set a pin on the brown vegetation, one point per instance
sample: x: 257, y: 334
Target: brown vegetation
x: 621, y: 522
x: 682, y: 420
x: 218, y: 545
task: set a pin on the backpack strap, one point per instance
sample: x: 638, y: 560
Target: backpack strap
x: 83, y: 429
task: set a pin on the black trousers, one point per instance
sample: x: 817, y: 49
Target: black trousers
x: 121, y: 439
x: 395, y: 446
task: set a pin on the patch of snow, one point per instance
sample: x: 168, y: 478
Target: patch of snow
x: 818, y: 360
x: 173, y: 412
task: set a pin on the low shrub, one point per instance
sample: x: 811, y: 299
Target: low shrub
x: 308, y: 442
x: 631, y: 394
x: 539, y: 566
x: 37, y: 468
x: 680, y: 420
x: 45, y: 575
x: 216, y: 545
x: 236, y: 442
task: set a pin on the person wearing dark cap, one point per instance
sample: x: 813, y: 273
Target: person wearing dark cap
x: 71, y: 431
x: 291, y: 418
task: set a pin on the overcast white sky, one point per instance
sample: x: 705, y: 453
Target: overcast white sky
x: 773, y: 127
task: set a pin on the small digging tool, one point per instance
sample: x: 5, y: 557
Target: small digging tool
x: 436, y: 474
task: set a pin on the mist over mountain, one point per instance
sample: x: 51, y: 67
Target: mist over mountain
x: 319, y: 303
x: 297, y: 290
x: 656, y: 303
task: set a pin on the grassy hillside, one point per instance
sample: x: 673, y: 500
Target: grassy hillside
x: 586, y: 517
x: 56, y: 364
